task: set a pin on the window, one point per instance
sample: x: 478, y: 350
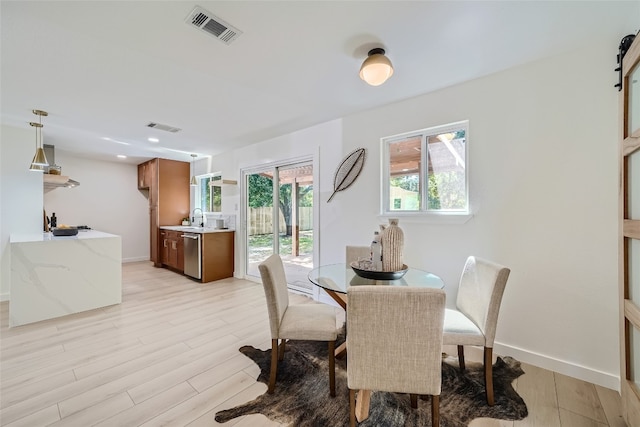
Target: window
x: 439, y: 188
x: 208, y: 195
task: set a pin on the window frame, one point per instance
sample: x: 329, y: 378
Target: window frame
x: 198, y: 202
x: 423, y: 213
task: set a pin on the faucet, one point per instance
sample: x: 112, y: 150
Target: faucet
x: 193, y: 216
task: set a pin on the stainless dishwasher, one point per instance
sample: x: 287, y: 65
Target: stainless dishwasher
x: 192, y: 255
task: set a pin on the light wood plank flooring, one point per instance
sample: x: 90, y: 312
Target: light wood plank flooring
x: 168, y: 355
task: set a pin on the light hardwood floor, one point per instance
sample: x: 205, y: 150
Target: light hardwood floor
x: 168, y: 355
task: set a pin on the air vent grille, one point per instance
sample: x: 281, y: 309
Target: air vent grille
x: 163, y: 127
x: 212, y: 25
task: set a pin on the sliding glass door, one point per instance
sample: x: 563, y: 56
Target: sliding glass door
x: 279, y: 218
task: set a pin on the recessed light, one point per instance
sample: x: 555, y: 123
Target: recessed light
x: 122, y: 156
x: 153, y: 140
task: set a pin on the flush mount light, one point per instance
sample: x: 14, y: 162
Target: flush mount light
x: 39, y: 159
x: 377, y: 68
x: 153, y: 140
x: 193, y: 177
x: 121, y: 156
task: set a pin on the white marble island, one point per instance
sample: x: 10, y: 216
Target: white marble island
x: 52, y: 276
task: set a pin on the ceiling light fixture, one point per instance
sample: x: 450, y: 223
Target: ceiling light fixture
x: 377, y: 68
x: 39, y: 159
x: 153, y: 139
x: 193, y: 177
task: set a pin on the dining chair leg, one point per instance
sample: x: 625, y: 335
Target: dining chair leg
x: 281, y: 349
x: 461, y: 357
x: 352, y: 408
x: 414, y: 401
x: 435, y: 410
x: 488, y: 374
x: 332, y: 368
x: 274, y: 366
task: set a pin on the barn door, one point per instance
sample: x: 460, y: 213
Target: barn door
x: 630, y: 235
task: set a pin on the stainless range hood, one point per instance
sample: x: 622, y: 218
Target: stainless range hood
x: 52, y: 181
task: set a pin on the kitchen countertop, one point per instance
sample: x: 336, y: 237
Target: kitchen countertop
x: 43, y: 237
x: 198, y: 230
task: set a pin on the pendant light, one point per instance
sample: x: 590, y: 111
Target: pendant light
x: 193, y: 170
x: 377, y: 68
x: 39, y: 161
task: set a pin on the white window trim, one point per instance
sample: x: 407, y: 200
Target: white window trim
x: 423, y: 216
x: 197, y: 200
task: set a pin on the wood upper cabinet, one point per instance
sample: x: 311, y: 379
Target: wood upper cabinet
x: 146, y: 174
x: 168, y: 185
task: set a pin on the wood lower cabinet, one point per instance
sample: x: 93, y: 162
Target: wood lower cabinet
x: 217, y: 255
x: 172, y: 249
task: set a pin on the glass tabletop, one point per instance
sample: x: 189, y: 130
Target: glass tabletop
x: 338, y: 278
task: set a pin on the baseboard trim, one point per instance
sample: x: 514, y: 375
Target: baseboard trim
x: 563, y: 367
x: 135, y: 259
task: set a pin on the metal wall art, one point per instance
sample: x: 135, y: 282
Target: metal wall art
x: 348, y: 171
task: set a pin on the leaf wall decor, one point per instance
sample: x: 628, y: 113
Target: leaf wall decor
x: 348, y: 171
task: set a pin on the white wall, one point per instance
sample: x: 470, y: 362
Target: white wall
x: 544, y: 172
x: 20, y: 194
x: 107, y: 199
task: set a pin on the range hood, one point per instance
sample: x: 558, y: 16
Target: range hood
x: 52, y: 181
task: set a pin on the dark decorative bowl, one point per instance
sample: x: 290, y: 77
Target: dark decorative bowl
x: 379, y: 275
x: 65, y: 231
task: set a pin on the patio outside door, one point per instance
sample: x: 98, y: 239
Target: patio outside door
x: 279, y: 218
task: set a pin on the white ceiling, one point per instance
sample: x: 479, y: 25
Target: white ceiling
x: 105, y: 69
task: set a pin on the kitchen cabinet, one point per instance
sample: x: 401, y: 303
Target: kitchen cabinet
x: 167, y: 182
x: 216, y: 251
x: 172, y: 249
x: 145, y: 174
x: 217, y: 255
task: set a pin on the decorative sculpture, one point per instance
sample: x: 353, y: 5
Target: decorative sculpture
x: 392, y: 244
x: 348, y: 171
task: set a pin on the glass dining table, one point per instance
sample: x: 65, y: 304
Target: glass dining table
x: 336, y: 279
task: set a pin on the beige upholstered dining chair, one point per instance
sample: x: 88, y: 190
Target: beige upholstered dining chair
x: 355, y: 253
x: 314, y: 322
x: 474, y: 321
x: 394, y: 341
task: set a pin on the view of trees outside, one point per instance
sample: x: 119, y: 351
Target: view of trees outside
x: 446, y: 189
x: 209, y: 193
x: 261, y: 195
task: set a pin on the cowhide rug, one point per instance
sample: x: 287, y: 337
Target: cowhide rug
x: 301, y: 396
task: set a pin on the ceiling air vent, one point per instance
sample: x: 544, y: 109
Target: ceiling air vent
x: 212, y: 25
x: 163, y: 127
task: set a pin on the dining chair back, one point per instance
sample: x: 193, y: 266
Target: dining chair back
x: 475, y: 319
x: 394, y: 342
x: 313, y: 322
